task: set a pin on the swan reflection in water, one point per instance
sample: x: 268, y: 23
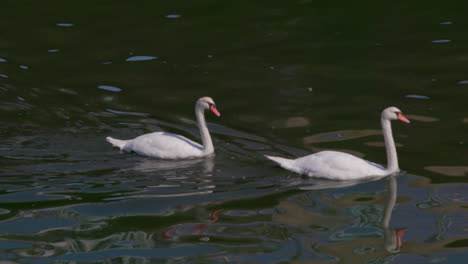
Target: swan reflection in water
x: 392, y: 237
x: 321, y: 184
x: 154, y: 165
x: 367, y: 245
x: 178, y: 177
x: 348, y: 245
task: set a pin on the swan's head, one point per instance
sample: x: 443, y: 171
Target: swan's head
x: 208, y: 103
x: 393, y: 113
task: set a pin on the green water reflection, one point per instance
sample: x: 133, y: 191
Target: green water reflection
x: 289, y: 77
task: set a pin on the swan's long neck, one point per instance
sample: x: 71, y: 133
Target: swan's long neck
x: 392, y: 159
x: 204, y: 133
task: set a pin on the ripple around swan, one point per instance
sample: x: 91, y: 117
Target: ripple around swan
x: 340, y: 135
x: 15, y: 106
x: 154, y: 165
x: 224, y: 130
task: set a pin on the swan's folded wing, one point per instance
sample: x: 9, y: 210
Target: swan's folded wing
x: 337, y: 165
x: 164, y: 145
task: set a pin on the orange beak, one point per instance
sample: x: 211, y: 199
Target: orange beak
x: 401, y: 117
x: 214, y: 110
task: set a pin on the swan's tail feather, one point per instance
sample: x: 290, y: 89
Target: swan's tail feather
x: 285, y: 163
x: 117, y: 142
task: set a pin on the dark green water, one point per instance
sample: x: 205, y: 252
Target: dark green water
x: 289, y: 77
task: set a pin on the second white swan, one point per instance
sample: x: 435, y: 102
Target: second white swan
x: 165, y: 145
x: 336, y: 165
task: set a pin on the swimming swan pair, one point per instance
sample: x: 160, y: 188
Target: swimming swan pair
x: 332, y: 165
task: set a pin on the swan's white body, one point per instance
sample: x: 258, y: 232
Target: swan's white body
x: 336, y: 165
x: 331, y: 165
x: 161, y: 145
x: 165, y: 145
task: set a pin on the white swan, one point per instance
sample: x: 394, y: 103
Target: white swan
x: 336, y: 165
x: 165, y: 145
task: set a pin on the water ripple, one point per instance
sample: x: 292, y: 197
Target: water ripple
x: 340, y: 135
x: 109, y: 88
x: 441, y: 41
x: 174, y: 16
x: 141, y: 58
x: 453, y: 171
x: 65, y: 25
x: 126, y: 113
x: 417, y: 96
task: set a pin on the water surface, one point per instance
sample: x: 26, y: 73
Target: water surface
x: 289, y: 78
